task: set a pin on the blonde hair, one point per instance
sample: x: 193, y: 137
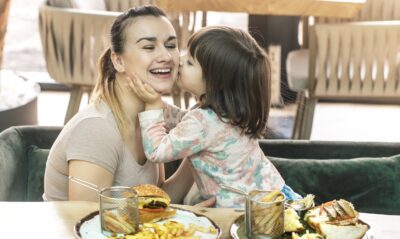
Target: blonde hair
x: 105, y: 90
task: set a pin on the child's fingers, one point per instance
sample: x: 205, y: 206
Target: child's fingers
x: 149, y: 89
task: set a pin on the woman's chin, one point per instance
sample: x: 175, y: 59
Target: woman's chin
x: 164, y: 89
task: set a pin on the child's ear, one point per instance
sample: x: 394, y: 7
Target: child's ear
x: 118, y: 62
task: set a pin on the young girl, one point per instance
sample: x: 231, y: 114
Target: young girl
x: 229, y: 73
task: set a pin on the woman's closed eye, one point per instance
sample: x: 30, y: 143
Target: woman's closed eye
x: 189, y: 62
x: 149, y: 47
x: 170, y: 46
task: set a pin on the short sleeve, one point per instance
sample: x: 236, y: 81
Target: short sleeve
x: 96, y: 141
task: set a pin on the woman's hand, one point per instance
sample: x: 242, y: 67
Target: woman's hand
x: 207, y: 203
x: 146, y: 93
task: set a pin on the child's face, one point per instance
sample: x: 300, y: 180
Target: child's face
x: 191, y: 75
x: 151, y: 52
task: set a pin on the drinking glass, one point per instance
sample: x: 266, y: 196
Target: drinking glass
x: 118, y: 211
x: 265, y: 218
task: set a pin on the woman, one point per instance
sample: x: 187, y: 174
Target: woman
x: 102, y: 143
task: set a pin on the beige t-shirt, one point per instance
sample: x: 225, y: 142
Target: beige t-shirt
x: 92, y: 135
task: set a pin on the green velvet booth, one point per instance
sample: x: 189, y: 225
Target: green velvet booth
x: 365, y: 173
x: 23, y: 155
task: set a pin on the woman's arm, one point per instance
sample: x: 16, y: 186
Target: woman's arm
x: 91, y: 173
x: 178, y: 185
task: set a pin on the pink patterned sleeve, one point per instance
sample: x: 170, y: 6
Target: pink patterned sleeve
x: 186, y: 139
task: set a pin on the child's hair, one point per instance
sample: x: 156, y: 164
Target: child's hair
x: 236, y: 71
x: 105, y: 84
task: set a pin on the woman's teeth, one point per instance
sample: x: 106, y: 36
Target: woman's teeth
x: 161, y: 71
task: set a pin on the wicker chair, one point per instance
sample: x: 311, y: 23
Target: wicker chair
x: 355, y: 61
x: 298, y: 61
x: 72, y: 41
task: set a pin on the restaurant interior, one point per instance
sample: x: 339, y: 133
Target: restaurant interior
x: 332, y: 129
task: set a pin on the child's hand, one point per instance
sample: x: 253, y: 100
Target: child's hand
x: 146, y: 93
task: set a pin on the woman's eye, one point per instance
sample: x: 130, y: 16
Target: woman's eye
x: 148, y: 47
x: 171, y: 46
x: 189, y: 63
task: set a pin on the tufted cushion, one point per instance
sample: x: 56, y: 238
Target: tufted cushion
x: 36, y: 165
x: 372, y: 184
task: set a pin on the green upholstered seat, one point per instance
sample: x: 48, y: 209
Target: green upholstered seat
x: 365, y: 173
x: 23, y: 155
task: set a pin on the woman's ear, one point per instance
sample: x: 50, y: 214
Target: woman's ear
x: 118, y: 62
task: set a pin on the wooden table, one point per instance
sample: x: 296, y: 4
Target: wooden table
x: 56, y: 219
x: 323, y: 8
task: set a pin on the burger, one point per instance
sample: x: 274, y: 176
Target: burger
x: 153, y: 203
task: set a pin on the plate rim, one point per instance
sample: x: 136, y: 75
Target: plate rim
x: 91, y: 215
x: 368, y: 235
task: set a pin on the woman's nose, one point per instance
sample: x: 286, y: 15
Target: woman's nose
x: 165, y: 55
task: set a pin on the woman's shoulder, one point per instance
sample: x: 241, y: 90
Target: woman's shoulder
x: 93, y: 120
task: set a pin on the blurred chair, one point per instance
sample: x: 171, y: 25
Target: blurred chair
x: 72, y: 41
x: 23, y: 156
x: 297, y: 61
x: 357, y: 61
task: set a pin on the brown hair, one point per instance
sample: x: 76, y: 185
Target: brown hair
x: 105, y: 84
x: 236, y: 71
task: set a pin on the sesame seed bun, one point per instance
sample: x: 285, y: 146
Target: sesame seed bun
x: 149, y: 190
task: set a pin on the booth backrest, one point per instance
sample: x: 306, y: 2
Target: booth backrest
x: 23, y: 155
x: 364, y: 173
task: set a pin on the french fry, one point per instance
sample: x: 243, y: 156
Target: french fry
x: 271, y: 196
x: 170, y: 230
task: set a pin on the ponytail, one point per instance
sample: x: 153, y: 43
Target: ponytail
x: 105, y: 90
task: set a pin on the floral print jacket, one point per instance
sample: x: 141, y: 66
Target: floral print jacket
x: 218, y: 151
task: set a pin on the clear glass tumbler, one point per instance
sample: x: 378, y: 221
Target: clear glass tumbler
x: 265, y: 214
x: 119, y: 214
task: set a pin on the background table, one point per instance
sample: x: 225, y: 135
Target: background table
x: 49, y: 220
x: 18, y: 100
x: 326, y: 8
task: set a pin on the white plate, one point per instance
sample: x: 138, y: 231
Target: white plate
x: 89, y: 226
x: 237, y: 230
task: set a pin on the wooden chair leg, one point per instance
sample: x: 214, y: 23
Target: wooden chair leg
x: 186, y: 99
x: 308, y: 118
x: 74, y: 102
x: 299, y: 115
x: 176, y: 95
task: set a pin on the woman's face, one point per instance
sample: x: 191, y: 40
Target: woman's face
x: 191, y: 75
x: 151, y: 52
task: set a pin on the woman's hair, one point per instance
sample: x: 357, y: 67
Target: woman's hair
x: 236, y: 71
x: 105, y: 88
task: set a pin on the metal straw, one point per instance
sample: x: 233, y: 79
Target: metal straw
x: 247, y: 218
x: 84, y: 183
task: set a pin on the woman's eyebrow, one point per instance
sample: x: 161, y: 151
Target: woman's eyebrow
x: 153, y: 39
x: 171, y: 38
x: 146, y: 39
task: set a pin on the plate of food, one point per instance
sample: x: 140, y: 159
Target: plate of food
x: 157, y: 219
x: 336, y: 219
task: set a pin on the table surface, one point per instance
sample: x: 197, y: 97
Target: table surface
x: 321, y: 8
x: 57, y: 219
